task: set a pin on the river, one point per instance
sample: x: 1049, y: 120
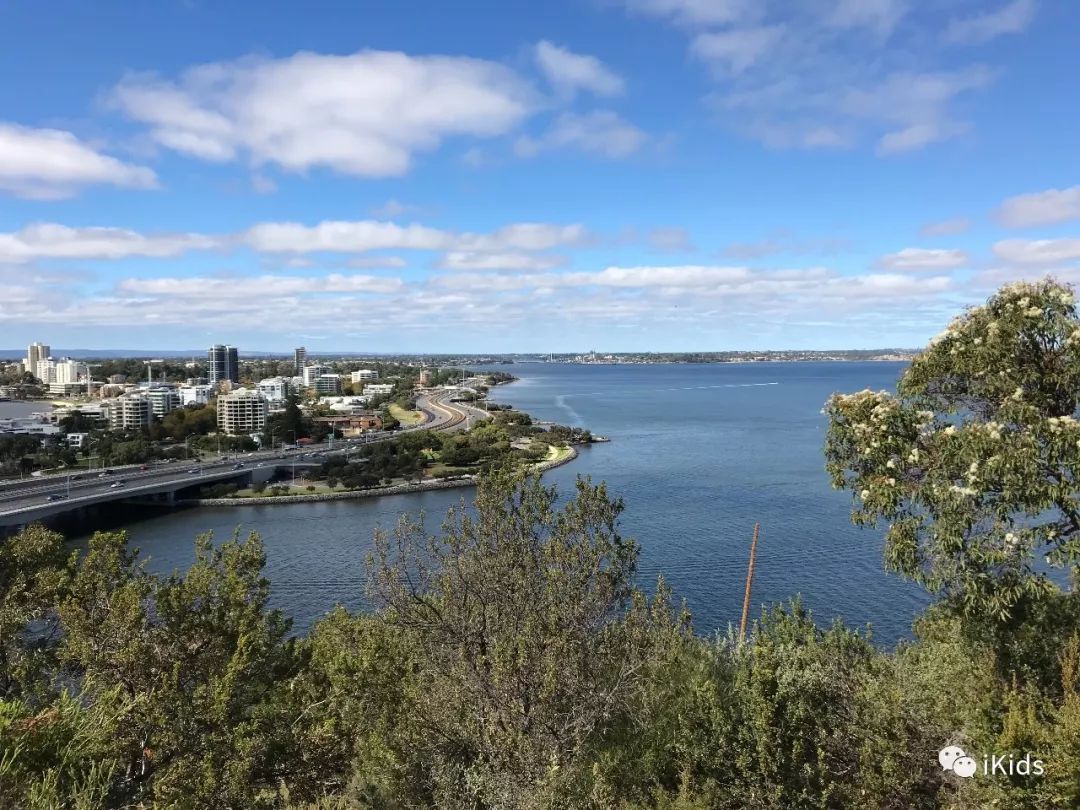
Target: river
x: 699, y: 453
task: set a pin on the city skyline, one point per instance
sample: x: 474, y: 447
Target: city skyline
x: 634, y: 175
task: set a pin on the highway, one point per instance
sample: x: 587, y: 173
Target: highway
x: 38, y: 497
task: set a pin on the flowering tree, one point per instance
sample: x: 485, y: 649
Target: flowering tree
x: 975, y: 465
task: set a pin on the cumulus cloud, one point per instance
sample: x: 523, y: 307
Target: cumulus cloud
x: 1043, y: 252
x: 1049, y: 207
x: 364, y: 114
x: 52, y: 241
x: 1012, y: 18
x: 52, y: 164
x: 946, y: 227
x: 924, y: 259
x: 570, y: 72
x: 601, y: 132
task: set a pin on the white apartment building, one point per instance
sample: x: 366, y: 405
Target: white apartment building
x: 194, y: 394
x: 378, y: 389
x: 328, y: 384
x: 129, y: 412
x: 275, y: 389
x: 312, y: 373
x: 242, y: 412
x: 363, y: 375
x: 162, y: 400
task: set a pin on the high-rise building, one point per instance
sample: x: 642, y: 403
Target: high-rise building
x: 241, y: 412
x: 299, y: 359
x: 222, y: 364
x: 35, y: 353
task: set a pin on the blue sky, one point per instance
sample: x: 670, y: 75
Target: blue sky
x: 624, y: 175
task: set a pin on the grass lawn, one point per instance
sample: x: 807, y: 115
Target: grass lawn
x: 407, y: 418
x: 557, y: 453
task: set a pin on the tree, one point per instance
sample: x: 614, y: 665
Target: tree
x: 975, y: 464
x: 521, y: 620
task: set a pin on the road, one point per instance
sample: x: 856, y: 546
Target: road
x: 66, y: 491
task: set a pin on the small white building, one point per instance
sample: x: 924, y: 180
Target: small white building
x: 378, y: 389
x: 194, y: 394
x: 363, y: 375
x: 162, y: 400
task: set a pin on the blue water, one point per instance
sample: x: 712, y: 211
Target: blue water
x: 699, y: 453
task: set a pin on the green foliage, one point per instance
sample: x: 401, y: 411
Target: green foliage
x: 974, y: 464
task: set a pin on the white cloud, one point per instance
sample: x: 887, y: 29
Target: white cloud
x: 601, y: 132
x: 392, y: 209
x: 1012, y: 18
x: 343, y: 237
x: 364, y: 235
x: 1049, y: 207
x: 695, y: 12
x: 229, y: 288
x: 880, y: 16
x: 924, y: 259
x: 946, y: 227
x: 827, y: 74
x: 467, y: 260
x: 52, y: 164
x: 736, y: 50
x: 1037, y: 251
x: 52, y: 241
x: 365, y: 114
x: 918, y: 103
x: 569, y: 72
x: 377, y: 262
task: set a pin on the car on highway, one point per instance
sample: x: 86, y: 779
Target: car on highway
x: 116, y: 484
x: 54, y: 497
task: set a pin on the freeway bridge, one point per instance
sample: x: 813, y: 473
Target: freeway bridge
x: 37, y: 499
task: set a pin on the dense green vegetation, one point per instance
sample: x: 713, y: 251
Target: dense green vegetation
x: 511, y: 659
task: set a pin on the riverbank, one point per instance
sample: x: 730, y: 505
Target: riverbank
x: 564, y: 455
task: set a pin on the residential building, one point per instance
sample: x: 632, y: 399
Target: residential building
x: 242, y: 412
x: 328, y: 384
x: 363, y: 375
x: 129, y: 412
x: 194, y: 395
x: 162, y: 400
x: 425, y: 377
x: 223, y: 363
x: 35, y: 353
x: 378, y: 389
x: 77, y: 440
x: 275, y: 389
x: 312, y: 373
x: 299, y: 359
